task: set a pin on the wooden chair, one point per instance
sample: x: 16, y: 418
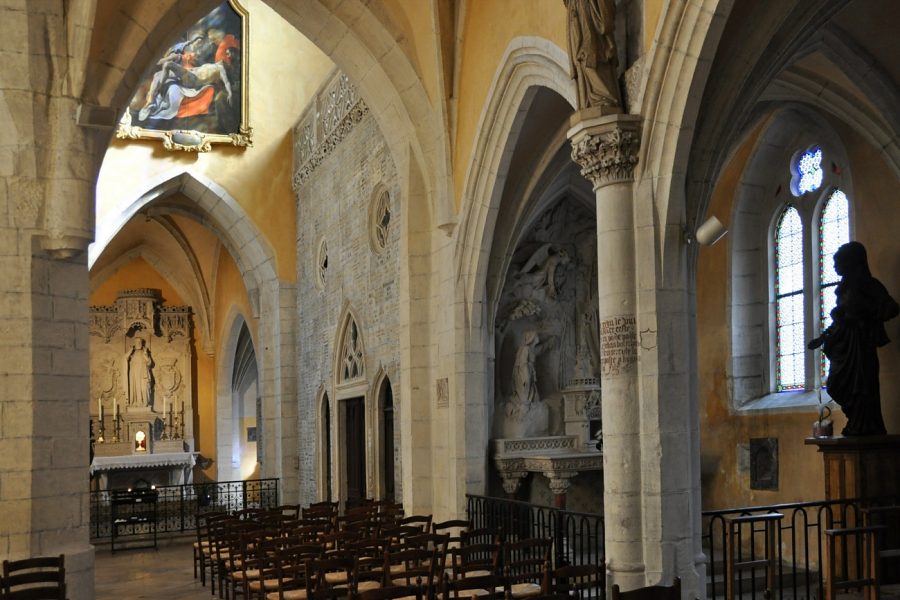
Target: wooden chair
x: 202, y: 521
x: 576, y: 581
x: 415, y: 567
x: 330, y: 578
x: 474, y: 560
x: 39, y: 578
x: 653, y: 592
x: 289, y: 565
x: 526, y: 566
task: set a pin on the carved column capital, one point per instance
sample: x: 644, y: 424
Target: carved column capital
x: 560, y: 481
x: 512, y: 480
x: 605, y: 147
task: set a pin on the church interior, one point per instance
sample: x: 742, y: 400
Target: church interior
x: 569, y: 254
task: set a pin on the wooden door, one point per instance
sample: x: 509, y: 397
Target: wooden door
x: 355, y: 439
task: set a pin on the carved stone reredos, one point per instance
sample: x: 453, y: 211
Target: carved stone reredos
x: 138, y: 308
x: 138, y: 320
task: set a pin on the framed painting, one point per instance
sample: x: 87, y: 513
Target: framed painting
x: 195, y: 95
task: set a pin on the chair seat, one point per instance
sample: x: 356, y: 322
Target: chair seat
x: 525, y: 590
x: 364, y: 586
x: 268, y: 584
x: 288, y: 595
x: 464, y: 594
x: 336, y: 577
x: 248, y: 574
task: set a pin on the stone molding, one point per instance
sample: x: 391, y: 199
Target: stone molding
x: 335, y: 111
x: 605, y: 147
x: 535, y: 444
x: 574, y: 462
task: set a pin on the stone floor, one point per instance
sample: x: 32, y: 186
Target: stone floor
x: 164, y: 574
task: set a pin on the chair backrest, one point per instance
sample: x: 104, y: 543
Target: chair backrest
x: 574, y: 580
x: 475, y: 558
x: 653, y: 592
x: 423, y: 522
x: 39, y: 578
x: 485, y: 587
x: 527, y: 560
x: 453, y: 528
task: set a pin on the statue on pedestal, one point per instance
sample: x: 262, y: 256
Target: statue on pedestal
x: 140, y: 377
x: 592, y: 52
x: 852, y: 339
x: 527, y: 415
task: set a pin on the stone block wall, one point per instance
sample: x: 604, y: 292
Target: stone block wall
x: 334, y: 200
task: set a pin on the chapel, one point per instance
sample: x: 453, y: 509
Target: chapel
x: 459, y: 256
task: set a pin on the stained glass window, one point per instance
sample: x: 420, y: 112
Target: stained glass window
x: 790, y: 347
x: 834, y: 230
x: 806, y: 172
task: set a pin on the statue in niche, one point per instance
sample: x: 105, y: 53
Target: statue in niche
x: 852, y: 339
x: 527, y: 415
x: 140, y: 375
x: 543, y: 268
x: 592, y: 52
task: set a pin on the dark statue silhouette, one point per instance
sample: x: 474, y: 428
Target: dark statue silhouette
x: 852, y: 339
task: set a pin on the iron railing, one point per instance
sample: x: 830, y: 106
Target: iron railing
x: 577, y: 537
x: 786, y: 542
x: 178, y: 505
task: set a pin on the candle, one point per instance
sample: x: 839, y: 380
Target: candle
x: 100, y: 405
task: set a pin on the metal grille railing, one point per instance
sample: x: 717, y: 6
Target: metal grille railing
x: 791, y: 567
x: 177, y: 505
x: 577, y: 537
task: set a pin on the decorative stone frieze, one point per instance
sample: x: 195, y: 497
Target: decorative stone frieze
x: 335, y: 111
x: 605, y: 147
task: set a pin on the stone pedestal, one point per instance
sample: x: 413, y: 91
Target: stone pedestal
x: 860, y: 467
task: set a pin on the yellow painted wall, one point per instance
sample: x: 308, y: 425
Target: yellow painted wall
x: 490, y: 25
x: 140, y: 274
x: 800, y: 466
x: 285, y: 71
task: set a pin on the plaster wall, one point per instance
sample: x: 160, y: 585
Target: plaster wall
x: 277, y: 96
x: 725, y: 432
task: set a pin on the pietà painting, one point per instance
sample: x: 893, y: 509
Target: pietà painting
x: 195, y: 95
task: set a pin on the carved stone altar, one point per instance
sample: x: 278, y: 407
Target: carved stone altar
x: 559, y: 458
x: 141, y: 389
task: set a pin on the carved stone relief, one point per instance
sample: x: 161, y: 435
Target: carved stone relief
x: 547, y: 326
x: 141, y: 357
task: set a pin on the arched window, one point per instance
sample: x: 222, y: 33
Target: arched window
x: 834, y: 230
x: 789, y: 302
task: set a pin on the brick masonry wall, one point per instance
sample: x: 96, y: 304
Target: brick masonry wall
x: 333, y: 204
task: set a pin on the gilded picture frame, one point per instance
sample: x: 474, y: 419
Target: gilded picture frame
x: 196, y: 95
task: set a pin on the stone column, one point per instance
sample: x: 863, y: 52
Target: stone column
x: 48, y: 168
x: 606, y: 147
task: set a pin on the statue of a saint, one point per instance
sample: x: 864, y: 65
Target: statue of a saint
x: 852, y: 340
x: 524, y: 376
x: 526, y: 414
x: 592, y: 51
x: 140, y: 378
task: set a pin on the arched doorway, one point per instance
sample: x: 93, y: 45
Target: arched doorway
x: 245, y: 408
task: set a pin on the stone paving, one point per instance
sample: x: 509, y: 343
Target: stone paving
x: 166, y: 573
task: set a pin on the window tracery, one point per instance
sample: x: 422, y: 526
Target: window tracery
x: 352, y: 366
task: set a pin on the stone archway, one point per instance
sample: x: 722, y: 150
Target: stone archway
x: 217, y: 210
x: 529, y: 65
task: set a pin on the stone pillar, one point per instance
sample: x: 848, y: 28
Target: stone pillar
x: 48, y: 168
x: 606, y: 147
